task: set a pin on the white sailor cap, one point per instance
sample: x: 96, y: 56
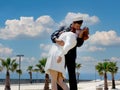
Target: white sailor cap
x: 77, y: 19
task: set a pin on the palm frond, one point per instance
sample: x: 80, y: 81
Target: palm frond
x: 14, y: 67
x: 19, y: 71
x: 1, y: 68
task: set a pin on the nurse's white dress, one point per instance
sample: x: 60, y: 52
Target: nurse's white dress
x: 69, y: 39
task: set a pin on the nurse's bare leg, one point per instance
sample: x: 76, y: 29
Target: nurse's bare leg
x: 54, y: 75
x: 61, y: 82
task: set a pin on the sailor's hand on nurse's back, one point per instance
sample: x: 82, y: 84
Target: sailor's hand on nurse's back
x: 59, y: 42
x: 59, y: 59
x: 85, y: 35
x: 86, y: 30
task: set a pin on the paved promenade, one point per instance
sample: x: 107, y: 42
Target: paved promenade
x: 88, y: 85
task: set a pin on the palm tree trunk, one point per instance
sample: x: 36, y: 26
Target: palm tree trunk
x: 77, y: 76
x: 46, y: 86
x: 31, y: 77
x: 7, y: 81
x: 113, y: 81
x: 105, y: 82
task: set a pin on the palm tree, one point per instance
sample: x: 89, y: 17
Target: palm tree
x: 9, y: 65
x: 40, y: 67
x: 1, y: 68
x: 113, y: 70
x: 78, y: 66
x: 102, y: 69
x: 30, y: 70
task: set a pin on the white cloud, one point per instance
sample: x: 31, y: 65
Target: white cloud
x: 100, y: 40
x: 43, y: 25
x: 26, y: 26
x: 88, y: 64
x: 105, y: 38
x: 4, y: 51
x: 85, y: 58
x: 95, y: 48
x: 115, y: 59
x: 27, y: 61
x: 45, y: 48
x: 88, y: 20
x: 44, y: 54
x: 87, y: 47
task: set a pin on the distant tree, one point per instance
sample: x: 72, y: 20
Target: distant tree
x: 41, y: 68
x: 30, y: 70
x: 78, y: 66
x: 102, y: 69
x: 9, y: 65
x: 113, y: 70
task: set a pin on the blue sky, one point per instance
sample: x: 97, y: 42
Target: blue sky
x: 26, y: 26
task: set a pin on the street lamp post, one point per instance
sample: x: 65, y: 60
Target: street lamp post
x: 95, y: 73
x: 19, y: 66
